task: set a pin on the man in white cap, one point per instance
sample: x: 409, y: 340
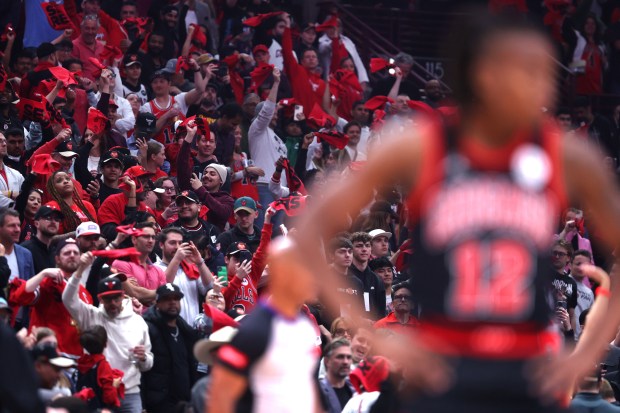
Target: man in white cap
x: 380, y: 243
x: 210, y: 194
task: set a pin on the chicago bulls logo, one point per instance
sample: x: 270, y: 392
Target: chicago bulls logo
x: 114, y: 154
x: 110, y: 284
x: 241, y: 246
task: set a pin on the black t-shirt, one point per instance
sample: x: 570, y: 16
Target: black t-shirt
x: 343, y: 394
x: 567, y: 286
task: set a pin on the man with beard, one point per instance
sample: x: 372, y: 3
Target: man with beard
x: 42, y: 292
x: 433, y: 93
x: 129, y: 345
x: 246, y: 212
x: 47, y: 221
x: 174, y: 369
x: 10, y: 179
x: 184, y: 266
x: 144, y: 276
x: 189, y: 220
x: 335, y: 386
x: 15, y: 147
x: 153, y: 59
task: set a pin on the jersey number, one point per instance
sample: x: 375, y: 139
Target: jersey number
x: 491, y: 280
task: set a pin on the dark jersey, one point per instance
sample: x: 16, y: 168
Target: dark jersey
x: 485, y: 219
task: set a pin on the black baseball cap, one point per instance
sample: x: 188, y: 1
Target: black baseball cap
x: 65, y: 149
x: 45, y: 49
x: 189, y: 195
x: 112, y: 285
x: 146, y: 121
x: 167, y: 290
x: 237, y: 247
x: 111, y: 156
x: 46, y: 211
x: 131, y: 59
x: 47, y: 352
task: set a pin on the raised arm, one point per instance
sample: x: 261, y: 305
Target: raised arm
x: 184, y: 174
x: 200, y: 84
x: 78, y: 309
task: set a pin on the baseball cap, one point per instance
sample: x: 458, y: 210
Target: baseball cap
x: 131, y: 59
x: 4, y: 305
x: 112, y: 103
x: 379, y: 233
x: 146, y: 121
x: 203, y: 350
x: 63, y: 243
x: 65, y: 149
x: 47, y: 211
x: 47, y: 352
x: 45, y: 49
x: 161, y: 73
x: 245, y: 203
x: 112, y: 155
x: 189, y: 195
x: 205, y: 58
x: 167, y: 290
x: 111, y: 285
x: 137, y: 171
x: 260, y: 48
x: 87, y: 228
x: 171, y: 66
x: 237, y: 247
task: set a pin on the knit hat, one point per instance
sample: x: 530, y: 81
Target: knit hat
x: 220, y: 169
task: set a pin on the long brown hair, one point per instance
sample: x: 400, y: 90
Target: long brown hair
x: 70, y: 221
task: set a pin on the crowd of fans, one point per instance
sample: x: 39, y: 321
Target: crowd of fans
x: 149, y: 152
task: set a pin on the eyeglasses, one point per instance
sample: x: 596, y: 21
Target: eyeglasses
x: 167, y: 189
x: 559, y: 254
x: 343, y: 331
x: 215, y: 297
x: 402, y: 298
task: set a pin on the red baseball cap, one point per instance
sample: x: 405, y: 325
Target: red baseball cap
x: 260, y: 48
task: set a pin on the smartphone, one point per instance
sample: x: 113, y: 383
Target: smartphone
x: 223, y: 272
x: 571, y: 222
x: 299, y: 111
x: 561, y: 304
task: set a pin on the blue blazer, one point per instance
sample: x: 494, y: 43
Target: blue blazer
x: 24, y: 262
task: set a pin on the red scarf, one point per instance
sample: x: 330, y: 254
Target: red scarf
x: 190, y: 270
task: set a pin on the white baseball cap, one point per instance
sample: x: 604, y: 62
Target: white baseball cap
x: 87, y: 228
x: 379, y: 233
x: 203, y: 350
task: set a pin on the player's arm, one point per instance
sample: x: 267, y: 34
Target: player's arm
x: 235, y: 385
x: 593, y: 186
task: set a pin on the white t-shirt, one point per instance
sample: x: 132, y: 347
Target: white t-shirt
x: 190, y: 306
x: 12, y: 261
x: 585, y: 299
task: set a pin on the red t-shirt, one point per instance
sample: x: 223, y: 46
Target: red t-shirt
x: 78, y: 211
x: 113, y: 209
